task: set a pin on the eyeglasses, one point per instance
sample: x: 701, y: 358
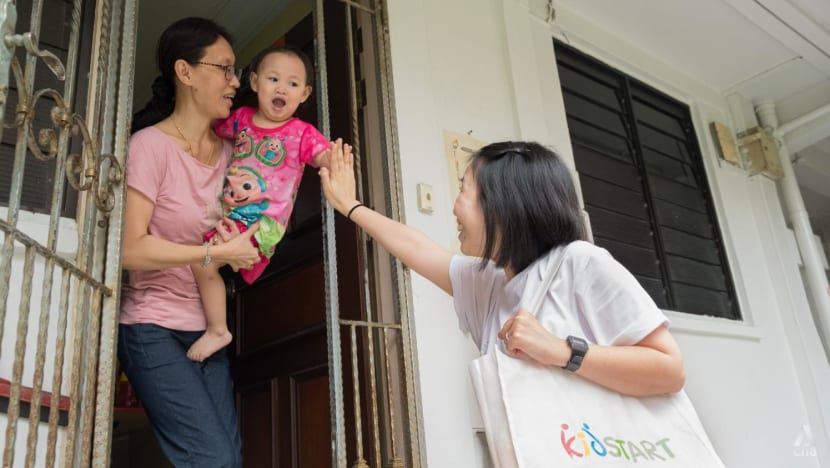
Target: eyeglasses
x: 230, y: 71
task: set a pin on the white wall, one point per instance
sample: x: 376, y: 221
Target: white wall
x: 450, y: 73
x: 40, y: 453
x: 36, y: 226
x: 488, y: 66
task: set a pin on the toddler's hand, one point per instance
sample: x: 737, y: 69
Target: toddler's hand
x: 323, y: 158
x: 226, y: 229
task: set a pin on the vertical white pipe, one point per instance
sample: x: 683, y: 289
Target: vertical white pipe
x: 817, y: 285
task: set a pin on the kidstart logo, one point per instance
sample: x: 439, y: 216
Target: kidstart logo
x: 584, y: 443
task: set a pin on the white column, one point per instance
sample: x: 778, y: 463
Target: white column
x: 817, y: 285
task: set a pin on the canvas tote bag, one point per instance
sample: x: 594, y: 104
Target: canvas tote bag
x: 536, y: 416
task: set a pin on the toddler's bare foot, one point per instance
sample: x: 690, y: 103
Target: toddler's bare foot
x: 209, y: 343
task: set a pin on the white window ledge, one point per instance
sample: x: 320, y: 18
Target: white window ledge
x: 691, y: 324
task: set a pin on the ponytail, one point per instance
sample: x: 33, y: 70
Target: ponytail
x: 159, y: 107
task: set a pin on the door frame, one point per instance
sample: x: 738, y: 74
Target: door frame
x: 381, y: 166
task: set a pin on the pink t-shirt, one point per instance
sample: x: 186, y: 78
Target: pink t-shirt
x: 276, y: 157
x: 184, y: 194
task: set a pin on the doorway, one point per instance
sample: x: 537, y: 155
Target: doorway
x: 320, y: 357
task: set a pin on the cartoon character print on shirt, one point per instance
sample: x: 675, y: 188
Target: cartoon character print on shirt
x: 270, y: 151
x: 243, y: 144
x: 245, y: 199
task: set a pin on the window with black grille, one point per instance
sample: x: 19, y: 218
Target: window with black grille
x: 39, y: 176
x: 645, y: 187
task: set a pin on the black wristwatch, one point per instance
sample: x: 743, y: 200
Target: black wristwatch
x: 578, y: 349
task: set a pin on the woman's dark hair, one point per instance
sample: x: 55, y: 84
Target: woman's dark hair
x: 245, y: 96
x: 529, y: 202
x: 186, y: 39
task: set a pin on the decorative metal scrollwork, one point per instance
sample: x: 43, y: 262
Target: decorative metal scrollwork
x: 29, y: 42
x: 100, y: 171
x: 86, y: 170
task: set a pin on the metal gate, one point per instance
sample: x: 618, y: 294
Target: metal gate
x: 60, y: 273
x: 379, y: 349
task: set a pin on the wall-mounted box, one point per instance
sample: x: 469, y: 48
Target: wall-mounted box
x: 725, y: 143
x: 759, y: 148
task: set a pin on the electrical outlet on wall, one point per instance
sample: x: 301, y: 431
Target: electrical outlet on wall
x: 425, y: 198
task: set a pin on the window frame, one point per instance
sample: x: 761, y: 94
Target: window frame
x: 631, y: 90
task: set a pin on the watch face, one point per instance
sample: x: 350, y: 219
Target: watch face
x: 578, y: 349
x: 578, y: 344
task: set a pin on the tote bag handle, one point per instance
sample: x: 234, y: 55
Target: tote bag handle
x: 539, y: 296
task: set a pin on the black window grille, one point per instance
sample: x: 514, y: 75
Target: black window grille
x: 645, y: 187
x: 38, y: 176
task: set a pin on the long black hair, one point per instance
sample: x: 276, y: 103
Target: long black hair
x: 528, y: 200
x: 186, y: 39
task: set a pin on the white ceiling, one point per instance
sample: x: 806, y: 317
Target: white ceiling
x: 818, y: 10
x: 242, y: 18
x: 715, y: 42
x: 761, y: 49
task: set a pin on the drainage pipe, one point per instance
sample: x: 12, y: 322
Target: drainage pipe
x: 817, y: 285
x: 798, y: 122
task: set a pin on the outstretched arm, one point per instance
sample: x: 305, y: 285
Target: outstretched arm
x: 409, y: 245
x: 322, y: 159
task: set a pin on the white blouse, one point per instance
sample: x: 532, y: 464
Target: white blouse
x: 592, y: 296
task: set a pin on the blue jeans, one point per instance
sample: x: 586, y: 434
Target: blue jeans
x: 190, y: 404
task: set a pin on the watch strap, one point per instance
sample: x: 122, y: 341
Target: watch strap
x: 579, y: 347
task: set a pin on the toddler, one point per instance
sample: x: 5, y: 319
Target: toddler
x: 271, y: 149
